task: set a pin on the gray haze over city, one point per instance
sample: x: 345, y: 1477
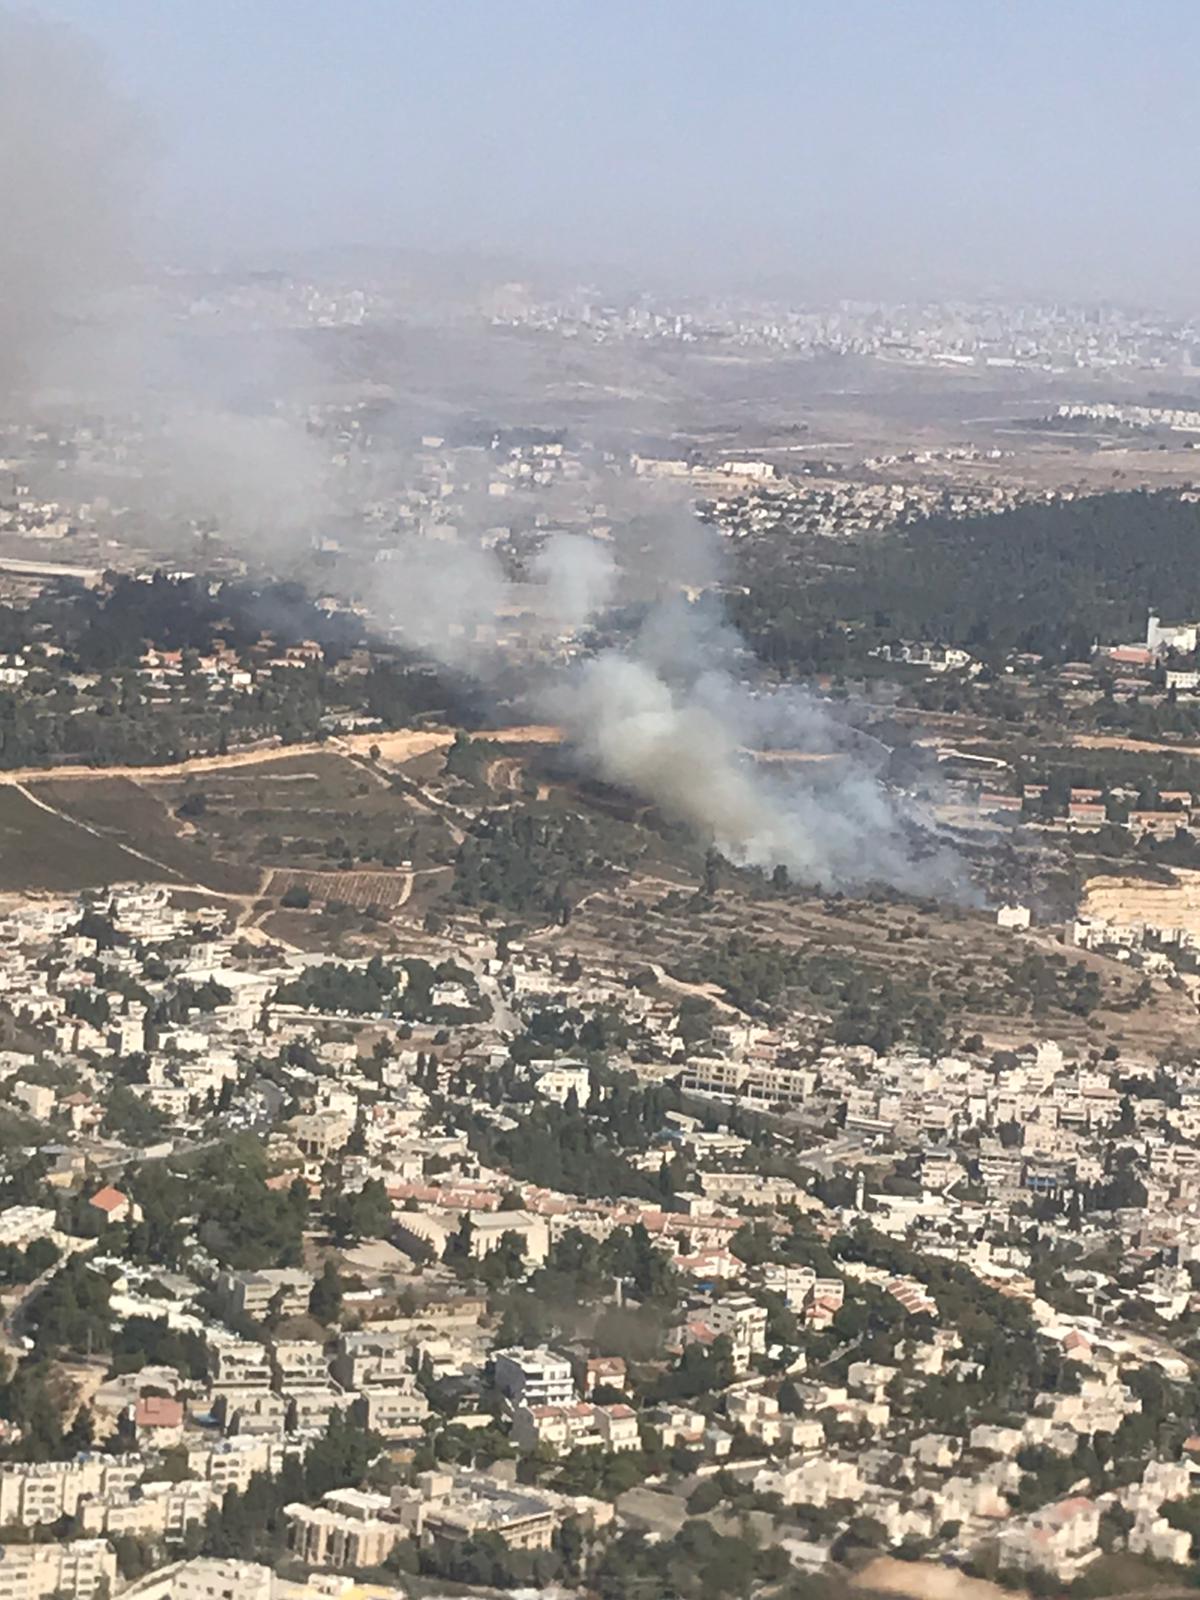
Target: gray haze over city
x: 838, y: 149
x: 663, y: 715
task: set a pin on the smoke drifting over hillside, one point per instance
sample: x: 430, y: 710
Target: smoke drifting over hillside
x: 684, y: 743
x: 666, y: 719
x: 666, y: 715
x: 259, y: 479
x: 579, y: 577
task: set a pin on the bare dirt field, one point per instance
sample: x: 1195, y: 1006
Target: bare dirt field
x: 923, y: 1580
x: 1112, y: 741
x: 1129, y: 900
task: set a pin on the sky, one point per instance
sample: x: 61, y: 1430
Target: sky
x: 853, y: 147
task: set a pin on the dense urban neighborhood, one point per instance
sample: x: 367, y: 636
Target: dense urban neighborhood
x: 488, y: 1254
x: 599, y: 804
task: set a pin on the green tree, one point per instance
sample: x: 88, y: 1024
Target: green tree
x: 325, y: 1300
x: 364, y: 1214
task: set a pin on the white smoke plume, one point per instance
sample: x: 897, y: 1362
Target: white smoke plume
x: 257, y: 479
x: 686, y: 742
x: 83, y: 325
x: 579, y: 578
x: 668, y: 714
x: 444, y: 597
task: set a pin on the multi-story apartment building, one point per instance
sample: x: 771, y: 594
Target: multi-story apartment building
x: 41, y: 1493
x: 345, y: 1531
x: 533, y: 1377
x: 78, y: 1569
x: 743, y: 1322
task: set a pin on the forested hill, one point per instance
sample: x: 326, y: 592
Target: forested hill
x: 1050, y: 578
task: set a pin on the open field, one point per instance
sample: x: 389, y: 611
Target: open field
x: 1112, y: 741
x: 1126, y: 900
x: 316, y: 812
x: 527, y: 733
x: 39, y: 850
x: 128, y: 811
x: 325, y: 812
x: 924, y: 1580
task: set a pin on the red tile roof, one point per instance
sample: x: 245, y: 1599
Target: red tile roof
x: 157, y: 1411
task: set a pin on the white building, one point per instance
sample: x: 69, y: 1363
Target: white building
x: 533, y: 1377
x: 561, y: 1079
x: 1013, y: 917
x: 743, y: 1322
x: 75, y: 1568
x: 1159, y: 638
x: 1059, y: 1539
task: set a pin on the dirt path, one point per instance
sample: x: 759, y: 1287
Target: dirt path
x: 404, y: 745
x: 129, y: 849
x: 792, y: 757
x: 176, y: 769
x: 701, y: 991
x: 250, y: 913
x: 1113, y: 741
x: 246, y: 904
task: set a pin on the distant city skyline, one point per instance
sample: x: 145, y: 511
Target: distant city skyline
x: 859, y: 149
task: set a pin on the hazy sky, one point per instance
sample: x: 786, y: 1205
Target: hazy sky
x: 846, y: 145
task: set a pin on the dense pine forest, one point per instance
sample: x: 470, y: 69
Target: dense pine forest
x: 1046, y: 578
